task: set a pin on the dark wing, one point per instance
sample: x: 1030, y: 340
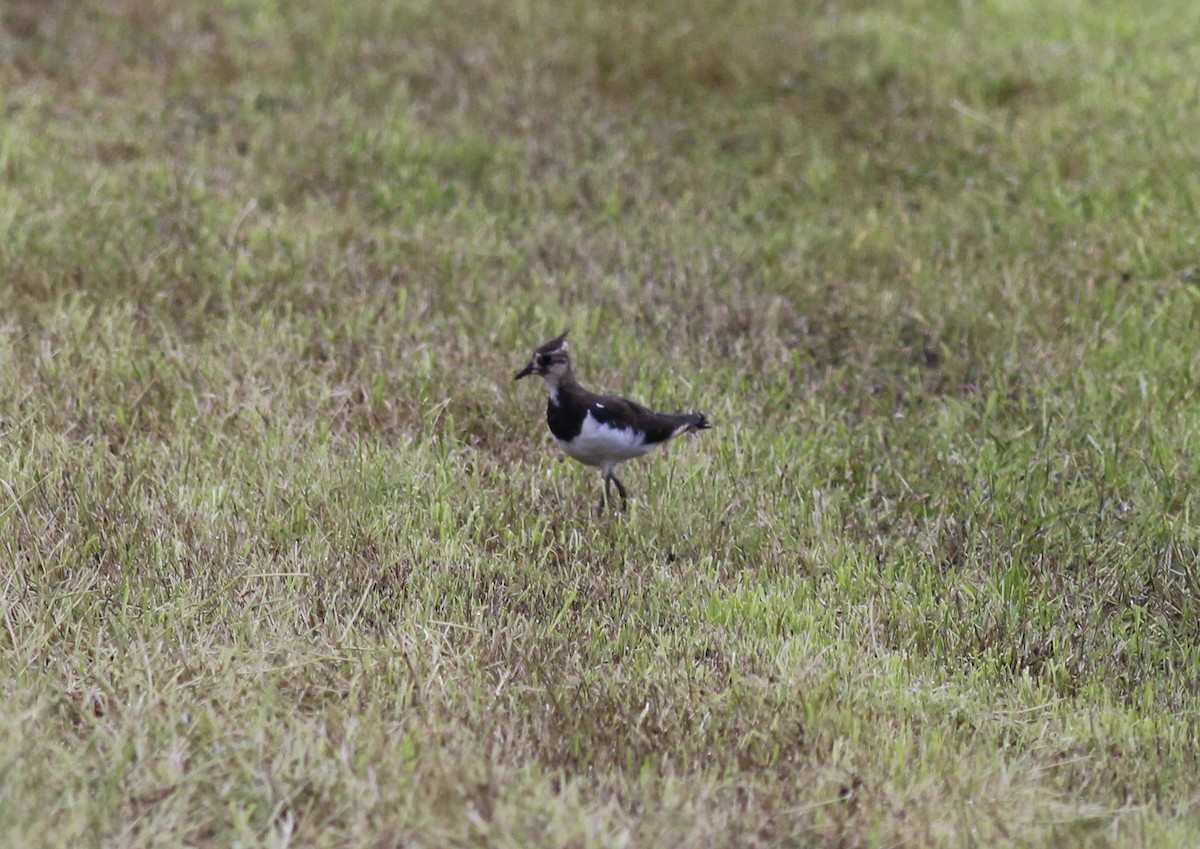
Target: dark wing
x: 658, y: 427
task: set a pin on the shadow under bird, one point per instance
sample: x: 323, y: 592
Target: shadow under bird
x: 600, y: 430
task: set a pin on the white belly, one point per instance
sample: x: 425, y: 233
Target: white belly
x: 598, y: 444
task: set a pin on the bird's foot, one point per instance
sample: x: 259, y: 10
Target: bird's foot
x: 601, y: 505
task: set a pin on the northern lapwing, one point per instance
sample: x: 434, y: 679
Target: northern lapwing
x: 600, y: 430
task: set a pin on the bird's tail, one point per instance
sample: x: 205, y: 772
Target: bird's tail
x: 690, y: 423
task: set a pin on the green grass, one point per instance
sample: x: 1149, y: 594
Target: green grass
x: 287, y: 558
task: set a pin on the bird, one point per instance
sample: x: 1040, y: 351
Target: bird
x: 600, y: 430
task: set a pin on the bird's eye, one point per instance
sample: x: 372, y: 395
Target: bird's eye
x: 543, y: 360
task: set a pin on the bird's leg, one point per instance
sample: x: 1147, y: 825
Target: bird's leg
x: 620, y: 489
x: 605, y: 496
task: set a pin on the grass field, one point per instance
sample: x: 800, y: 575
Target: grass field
x: 288, y: 559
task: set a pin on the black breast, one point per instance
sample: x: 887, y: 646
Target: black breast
x: 565, y: 419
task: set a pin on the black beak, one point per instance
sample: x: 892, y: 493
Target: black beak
x: 525, y: 372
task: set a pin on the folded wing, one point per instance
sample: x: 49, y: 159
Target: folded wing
x: 657, y: 427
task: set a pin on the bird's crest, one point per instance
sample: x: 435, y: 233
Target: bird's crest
x: 558, y: 343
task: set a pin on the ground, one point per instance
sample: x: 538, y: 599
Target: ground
x: 288, y: 559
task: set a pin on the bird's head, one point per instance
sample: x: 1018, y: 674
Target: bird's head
x: 550, y: 361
